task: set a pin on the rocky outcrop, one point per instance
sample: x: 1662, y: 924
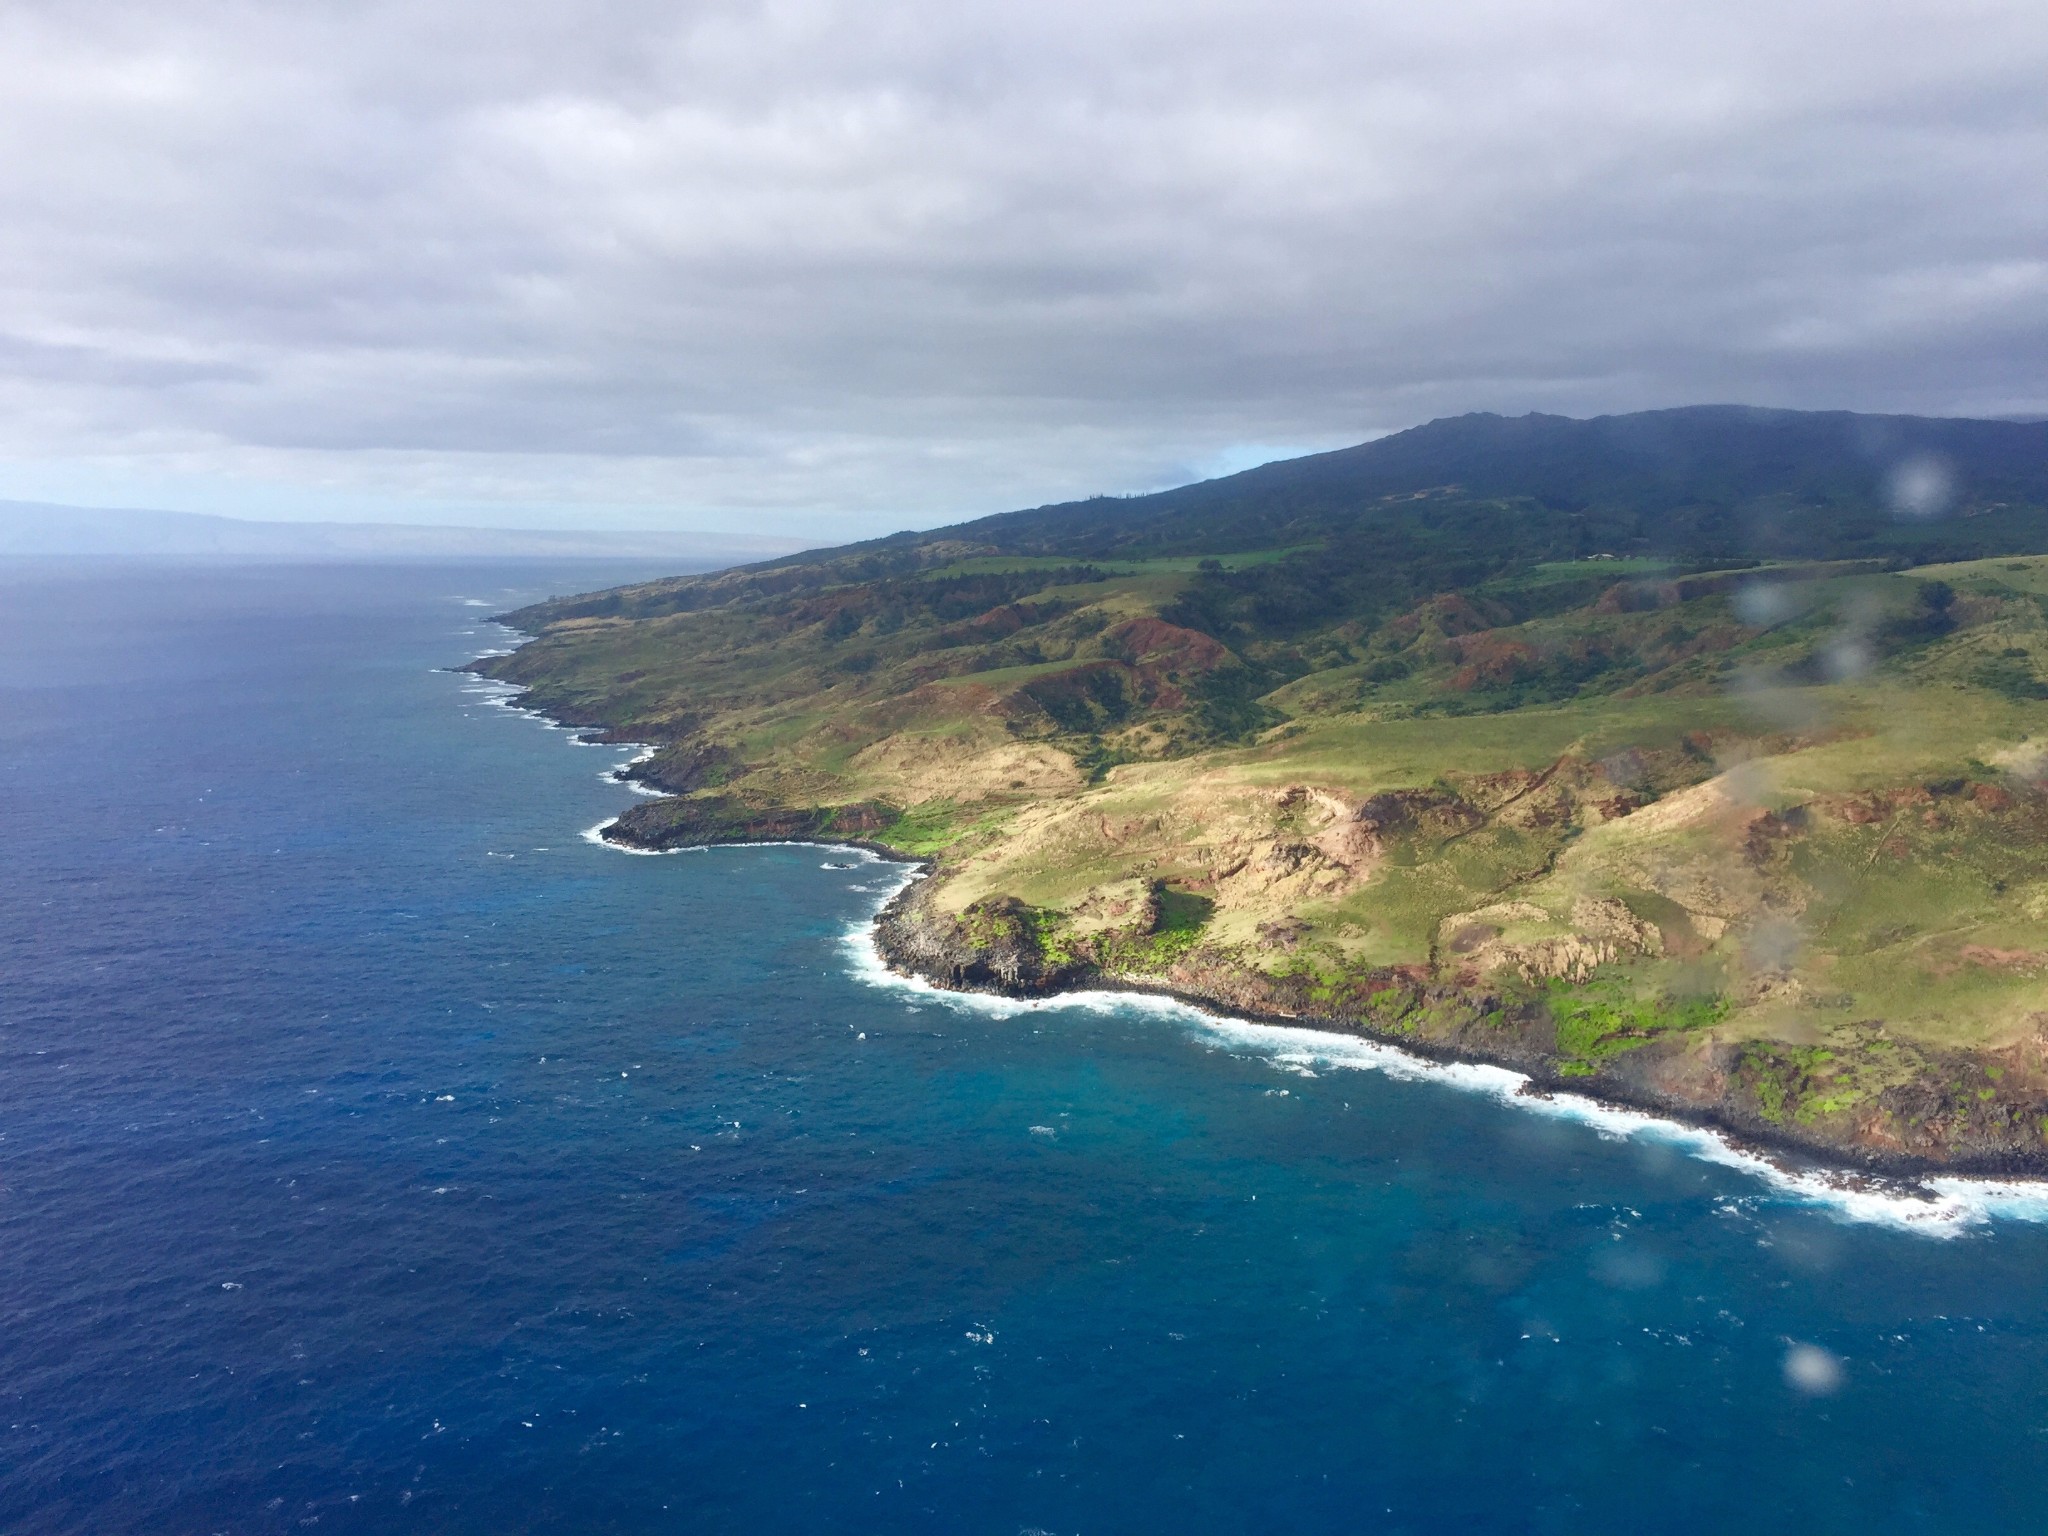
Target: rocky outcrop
x: 659, y: 825
x: 1601, y: 932
x: 992, y: 946
x: 684, y: 768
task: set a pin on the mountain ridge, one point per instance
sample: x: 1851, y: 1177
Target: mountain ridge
x: 2009, y: 457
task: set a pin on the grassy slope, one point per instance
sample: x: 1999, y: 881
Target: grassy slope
x: 1793, y: 809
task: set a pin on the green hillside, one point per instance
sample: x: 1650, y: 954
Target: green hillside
x: 1690, y: 755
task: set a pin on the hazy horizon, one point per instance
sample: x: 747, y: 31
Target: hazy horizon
x: 38, y: 530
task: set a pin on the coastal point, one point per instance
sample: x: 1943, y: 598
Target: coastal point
x: 1659, y: 757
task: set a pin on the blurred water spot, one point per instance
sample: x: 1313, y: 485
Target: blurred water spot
x: 1815, y: 1371
x: 1629, y: 1269
x: 1766, y: 603
x: 1922, y: 486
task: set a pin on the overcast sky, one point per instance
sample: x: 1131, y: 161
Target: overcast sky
x: 834, y: 269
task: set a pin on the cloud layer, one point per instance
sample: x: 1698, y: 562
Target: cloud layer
x: 838, y: 267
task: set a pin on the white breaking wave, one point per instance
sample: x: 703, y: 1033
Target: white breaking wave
x: 503, y: 695
x: 596, y: 835
x: 616, y: 774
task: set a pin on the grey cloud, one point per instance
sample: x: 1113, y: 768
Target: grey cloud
x: 857, y: 266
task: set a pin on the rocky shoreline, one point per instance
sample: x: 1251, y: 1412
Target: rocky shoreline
x: 993, y: 947
x: 990, y: 951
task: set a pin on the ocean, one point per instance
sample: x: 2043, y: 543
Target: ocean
x: 378, y: 1153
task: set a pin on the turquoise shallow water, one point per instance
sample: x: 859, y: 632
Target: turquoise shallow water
x: 376, y: 1154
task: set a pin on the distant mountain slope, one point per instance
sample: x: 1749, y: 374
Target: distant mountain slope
x: 1442, y: 506
x: 43, y: 529
x: 1726, y: 478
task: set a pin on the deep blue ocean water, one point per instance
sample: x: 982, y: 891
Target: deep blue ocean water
x: 377, y: 1154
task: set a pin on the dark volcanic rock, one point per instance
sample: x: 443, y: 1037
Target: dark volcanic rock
x: 990, y: 947
x: 691, y: 823
x: 684, y: 768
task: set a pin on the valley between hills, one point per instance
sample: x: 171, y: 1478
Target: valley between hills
x: 1694, y: 759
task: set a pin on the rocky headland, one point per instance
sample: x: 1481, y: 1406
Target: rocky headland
x: 1655, y: 758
